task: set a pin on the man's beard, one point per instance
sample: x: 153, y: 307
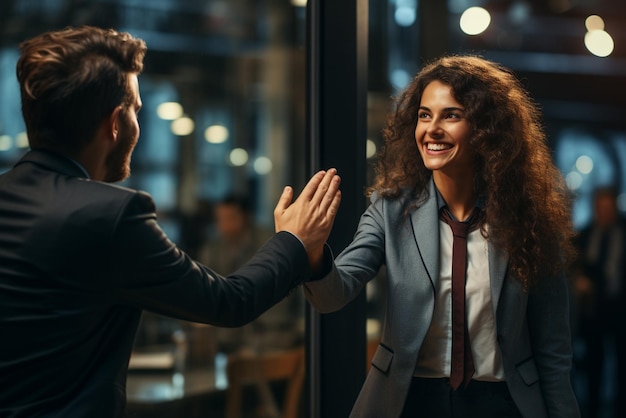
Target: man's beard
x: 118, y: 161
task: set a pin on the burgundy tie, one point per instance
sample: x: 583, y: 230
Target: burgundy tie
x: 462, y: 368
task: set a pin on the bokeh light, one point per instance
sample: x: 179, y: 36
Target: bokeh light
x: 238, y: 157
x: 599, y: 43
x: 183, y: 126
x: 475, y: 20
x: 169, y: 110
x: 216, y: 134
x: 594, y: 22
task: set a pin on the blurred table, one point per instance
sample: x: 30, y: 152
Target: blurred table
x: 163, y: 386
x: 165, y: 394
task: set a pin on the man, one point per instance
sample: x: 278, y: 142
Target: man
x: 80, y: 259
x: 600, y: 286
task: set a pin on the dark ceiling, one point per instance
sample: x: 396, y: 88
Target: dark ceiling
x: 543, y: 41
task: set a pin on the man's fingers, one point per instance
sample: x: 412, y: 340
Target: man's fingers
x: 334, y: 205
x: 329, y: 195
x: 323, y: 188
x: 285, y: 200
x: 311, y: 187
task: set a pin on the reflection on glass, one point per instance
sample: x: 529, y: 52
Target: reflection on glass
x: 223, y: 113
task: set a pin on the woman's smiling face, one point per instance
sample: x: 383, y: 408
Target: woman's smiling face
x: 443, y: 132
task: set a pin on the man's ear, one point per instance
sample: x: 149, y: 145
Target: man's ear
x: 113, y: 123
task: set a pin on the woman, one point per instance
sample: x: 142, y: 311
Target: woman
x: 465, y: 139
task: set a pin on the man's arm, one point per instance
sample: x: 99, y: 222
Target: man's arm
x: 148, y: 271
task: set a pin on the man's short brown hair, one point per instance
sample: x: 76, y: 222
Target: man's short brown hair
x: 73, y: 78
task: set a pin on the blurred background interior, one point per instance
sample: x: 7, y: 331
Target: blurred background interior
x: 224, y: 124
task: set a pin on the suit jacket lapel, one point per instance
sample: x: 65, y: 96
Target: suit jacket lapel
x: 498, y: 262
x: 425, y: 223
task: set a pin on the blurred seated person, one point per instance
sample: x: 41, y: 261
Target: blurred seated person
x: 237, y: 238
x: 237, y: 235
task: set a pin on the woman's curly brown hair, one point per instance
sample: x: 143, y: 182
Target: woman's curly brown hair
x: 527, y: 207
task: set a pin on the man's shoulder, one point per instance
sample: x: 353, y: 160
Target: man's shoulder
x: 103, y: 189
x: 107, y: 195
x: 57, y: 177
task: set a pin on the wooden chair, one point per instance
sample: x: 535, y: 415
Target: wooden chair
x: 251, y: 369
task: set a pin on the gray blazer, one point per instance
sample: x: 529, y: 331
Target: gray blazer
x: 532, y: 327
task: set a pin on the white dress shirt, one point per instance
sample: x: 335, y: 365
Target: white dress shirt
x: 435, y: 355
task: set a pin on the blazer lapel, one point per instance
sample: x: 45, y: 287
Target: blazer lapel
x: 498, y: 262
x: 425, y: 224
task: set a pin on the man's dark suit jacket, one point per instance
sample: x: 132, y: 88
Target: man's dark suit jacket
x: 79, y: 261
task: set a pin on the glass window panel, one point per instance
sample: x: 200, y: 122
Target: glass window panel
x: 587, y: 161
x: 214, y: 143
x: 12, y: 128
x: 157, y: 144
x: 236, y: 63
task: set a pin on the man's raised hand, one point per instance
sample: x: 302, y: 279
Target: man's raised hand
x: 312, y: 215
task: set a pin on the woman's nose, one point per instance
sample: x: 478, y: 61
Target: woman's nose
x: 434, y: 129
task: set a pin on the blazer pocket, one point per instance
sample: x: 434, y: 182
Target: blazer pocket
x: 528, y: 371
x: 382, y: 358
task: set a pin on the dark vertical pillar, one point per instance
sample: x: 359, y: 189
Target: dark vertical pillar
x: 433, y: 22
x: 336, y: 134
